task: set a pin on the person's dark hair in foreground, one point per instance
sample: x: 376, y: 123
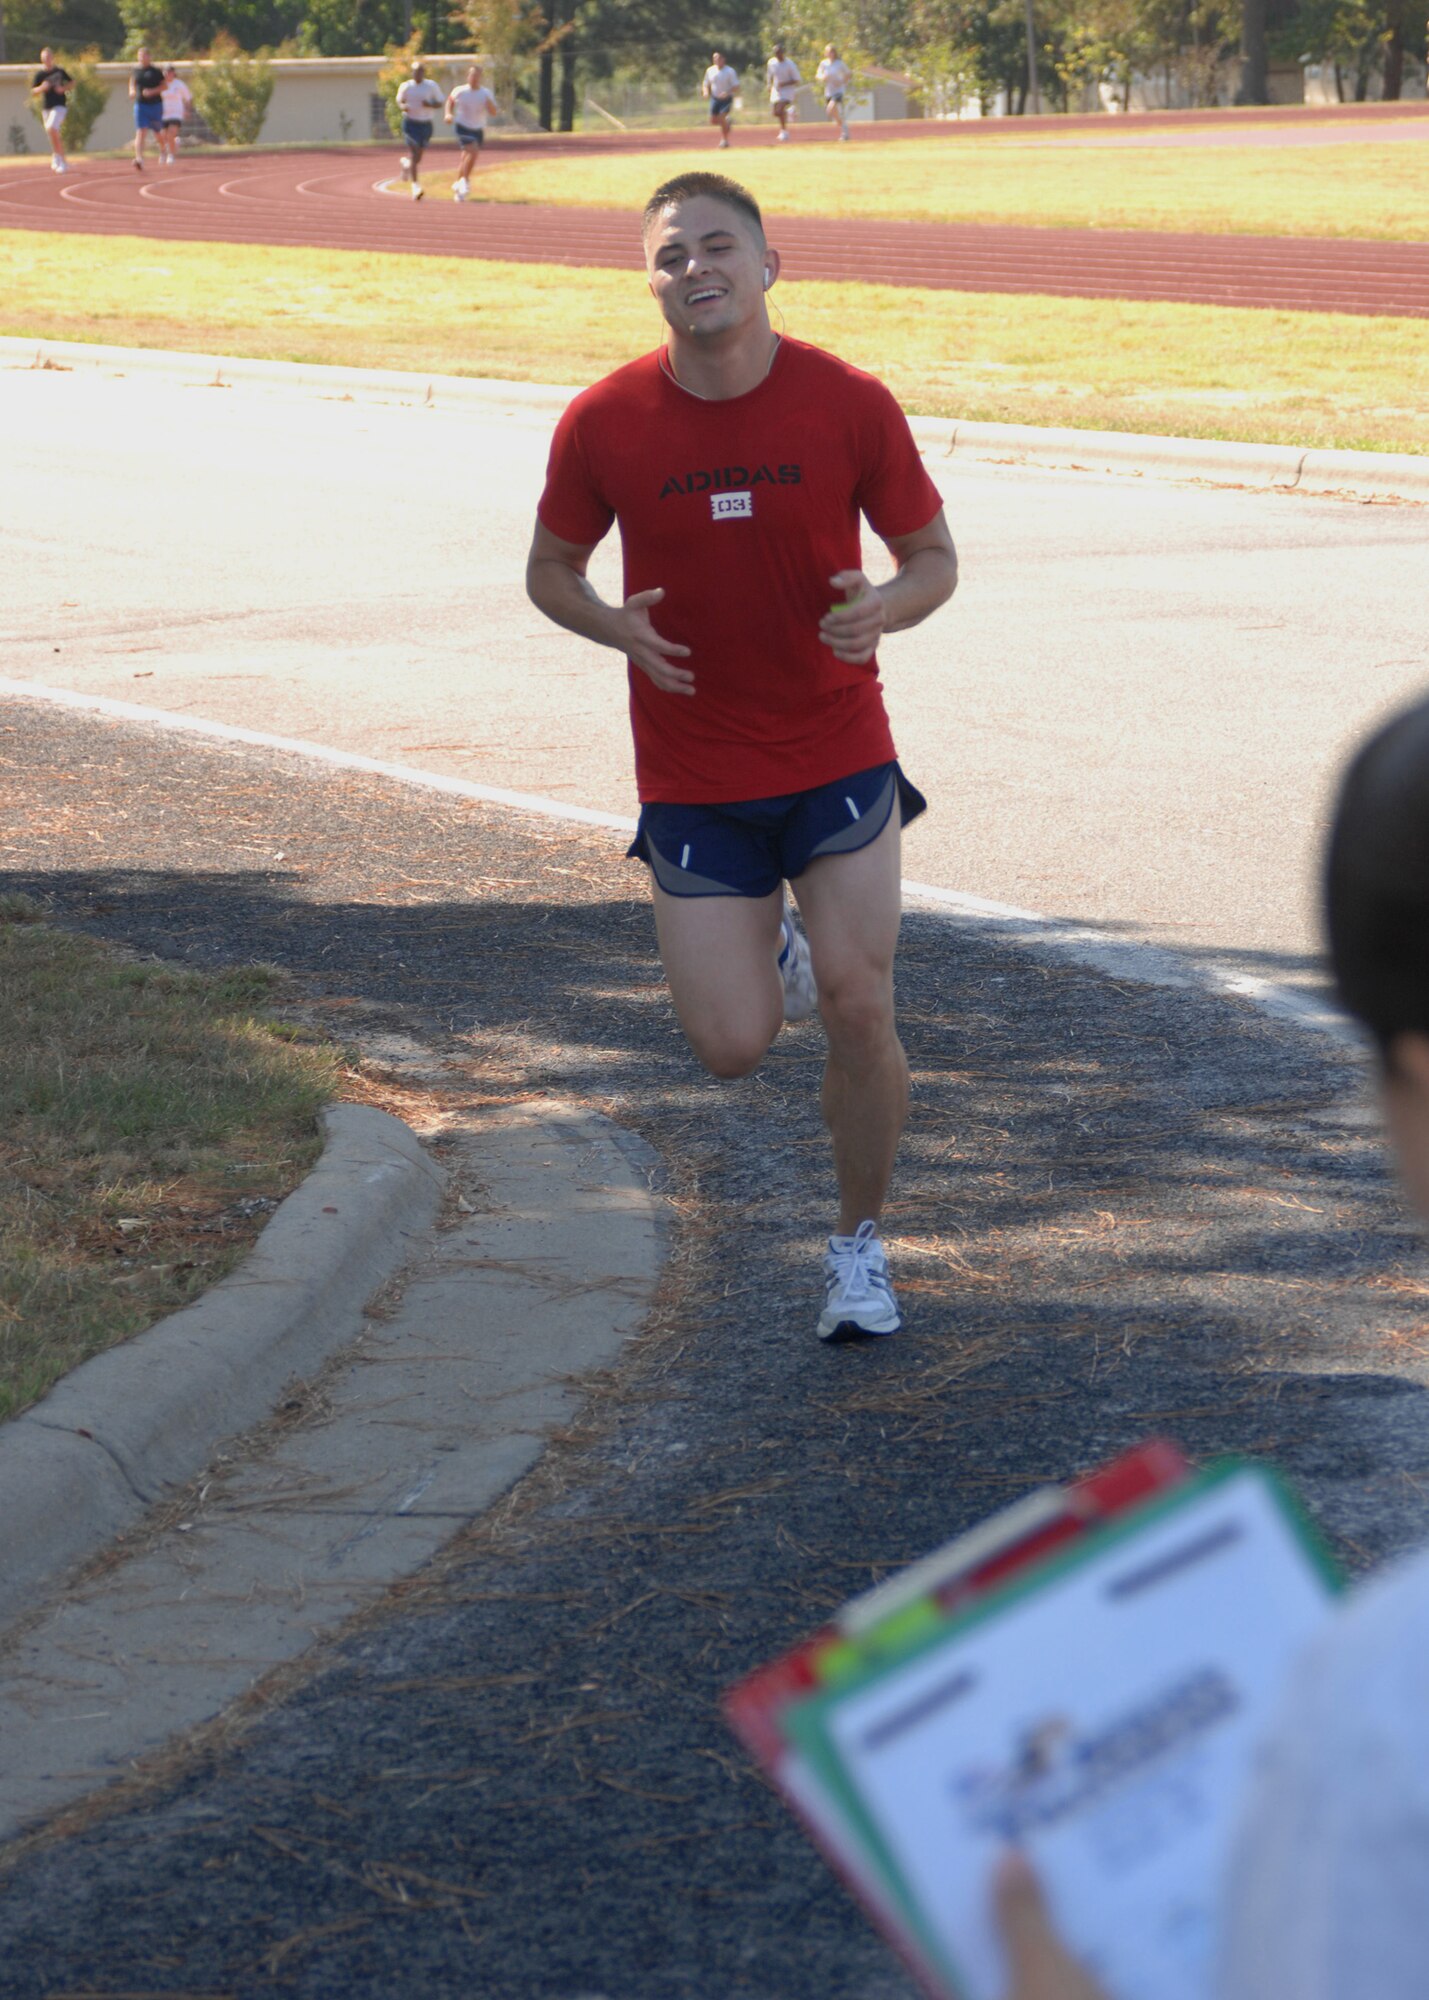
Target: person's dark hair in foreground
x: 1377, y: 882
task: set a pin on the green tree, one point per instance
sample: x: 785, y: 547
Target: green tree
x: 32, y: 25
x: 1357, y: 38
x: 351, y: 27
x: 232, y: 91
x: 181, y: 27
x: 508, y: 36
x: 86, y: 99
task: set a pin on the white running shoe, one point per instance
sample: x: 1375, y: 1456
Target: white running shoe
x: 783, y: 136
x: 859, y: 1298
x: 722, y: 144
x: 417, y: 192
x: 458, y: 194
x: 796, y: 970
x: 406, y: 166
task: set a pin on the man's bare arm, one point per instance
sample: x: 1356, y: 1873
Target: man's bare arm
x: 927, y: 576
x: 556, y: 584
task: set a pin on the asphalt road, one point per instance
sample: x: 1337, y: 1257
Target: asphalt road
x: 1119, y: 1210
x: 1130, y: 715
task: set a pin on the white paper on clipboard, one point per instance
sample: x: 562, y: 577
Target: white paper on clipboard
x: 1104, y: 1720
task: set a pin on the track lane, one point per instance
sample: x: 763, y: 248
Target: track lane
x: 327, y: 201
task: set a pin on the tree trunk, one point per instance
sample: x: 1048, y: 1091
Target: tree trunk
x: 568, y: 83
x: 1394, y: 53
x: 1254, y: 55
x: 1032, y: 77
x: 544, y: 89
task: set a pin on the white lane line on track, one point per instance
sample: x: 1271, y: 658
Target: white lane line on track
x: 1144, y: 964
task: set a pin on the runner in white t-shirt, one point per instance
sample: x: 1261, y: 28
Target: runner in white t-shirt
x: 176, y: 101
x: 468, y: 109
x: 721, y: 81
x: 835, y: 75
x: 417, y: 99
x: 784, y: 79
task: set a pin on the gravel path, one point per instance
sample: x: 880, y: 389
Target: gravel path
x: 1120, y: 1210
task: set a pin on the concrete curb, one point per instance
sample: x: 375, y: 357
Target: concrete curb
x: 1360, y: 475
x: 139, y: 1420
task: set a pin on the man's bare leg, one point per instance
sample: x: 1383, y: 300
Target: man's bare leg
x: 720, y: 955
x: 851, y: 904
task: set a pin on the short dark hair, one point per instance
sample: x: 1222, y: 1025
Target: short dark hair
x: 718, y: 187
x: 1377, y: 880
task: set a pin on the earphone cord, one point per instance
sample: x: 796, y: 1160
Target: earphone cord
x: 668, y: 367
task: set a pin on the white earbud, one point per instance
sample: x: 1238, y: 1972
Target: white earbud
x: 768, y: 279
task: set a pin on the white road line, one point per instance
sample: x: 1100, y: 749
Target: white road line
x: 1143, y: 964
x: 322, y: 753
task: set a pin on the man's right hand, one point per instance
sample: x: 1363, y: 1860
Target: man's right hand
x: 643, y: 646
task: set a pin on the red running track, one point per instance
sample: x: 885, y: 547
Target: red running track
x: 331, y: 200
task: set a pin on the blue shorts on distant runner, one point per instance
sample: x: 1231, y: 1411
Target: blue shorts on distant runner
x: 147, y: 117
x: 469, y: 135
x: 417, y: 132
x: 748, y: 847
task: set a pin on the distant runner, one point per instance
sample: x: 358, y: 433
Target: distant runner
x: 720, y: 83
x: 782, y: 73
x: 750, y: 635
x: 52, y: 85
x: 417, y: 99
x: 468, y: 109
x: 835, y: 75
x: 176, y: 103
x: 146, y: 88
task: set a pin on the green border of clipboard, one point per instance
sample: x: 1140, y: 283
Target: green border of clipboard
x: 805, y: 1722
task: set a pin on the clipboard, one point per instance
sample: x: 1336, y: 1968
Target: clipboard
x: 826, y: 1721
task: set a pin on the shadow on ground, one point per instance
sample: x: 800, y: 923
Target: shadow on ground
x: 1119, y: 1210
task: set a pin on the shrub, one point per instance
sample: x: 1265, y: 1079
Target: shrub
x: 232, y: 91
x: 86, y: 100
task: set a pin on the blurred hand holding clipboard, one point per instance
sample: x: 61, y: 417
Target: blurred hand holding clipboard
x: 1085, y: 1677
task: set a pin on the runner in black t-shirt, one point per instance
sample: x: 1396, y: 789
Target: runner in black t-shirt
x: 51, y: 85
x: 146, y: 87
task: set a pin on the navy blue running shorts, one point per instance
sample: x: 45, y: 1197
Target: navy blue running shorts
x: 749, y: 847
x: 417, y: 132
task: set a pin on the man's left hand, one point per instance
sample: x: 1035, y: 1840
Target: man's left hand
x: 853, y: 629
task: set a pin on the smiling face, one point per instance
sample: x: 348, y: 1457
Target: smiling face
x: 706, y: 263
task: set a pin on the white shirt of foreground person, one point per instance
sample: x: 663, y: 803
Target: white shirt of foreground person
x: 1328, y: 1888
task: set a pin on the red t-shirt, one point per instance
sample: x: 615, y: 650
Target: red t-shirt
x: 742, y: 511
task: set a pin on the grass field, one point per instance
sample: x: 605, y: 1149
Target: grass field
x: 1200, y: 371
x: 1368, y: 189
x: 150, y: 1119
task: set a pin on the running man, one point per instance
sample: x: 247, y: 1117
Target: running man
x: 784, y: 79
x: 835, y: 75
x: 176, y: 101
x: 720, y: 82
x: 468, y: 109
x: 417, y: 99
x: 52, y: 85
x: 146, y: 88
x: 762, y: 750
